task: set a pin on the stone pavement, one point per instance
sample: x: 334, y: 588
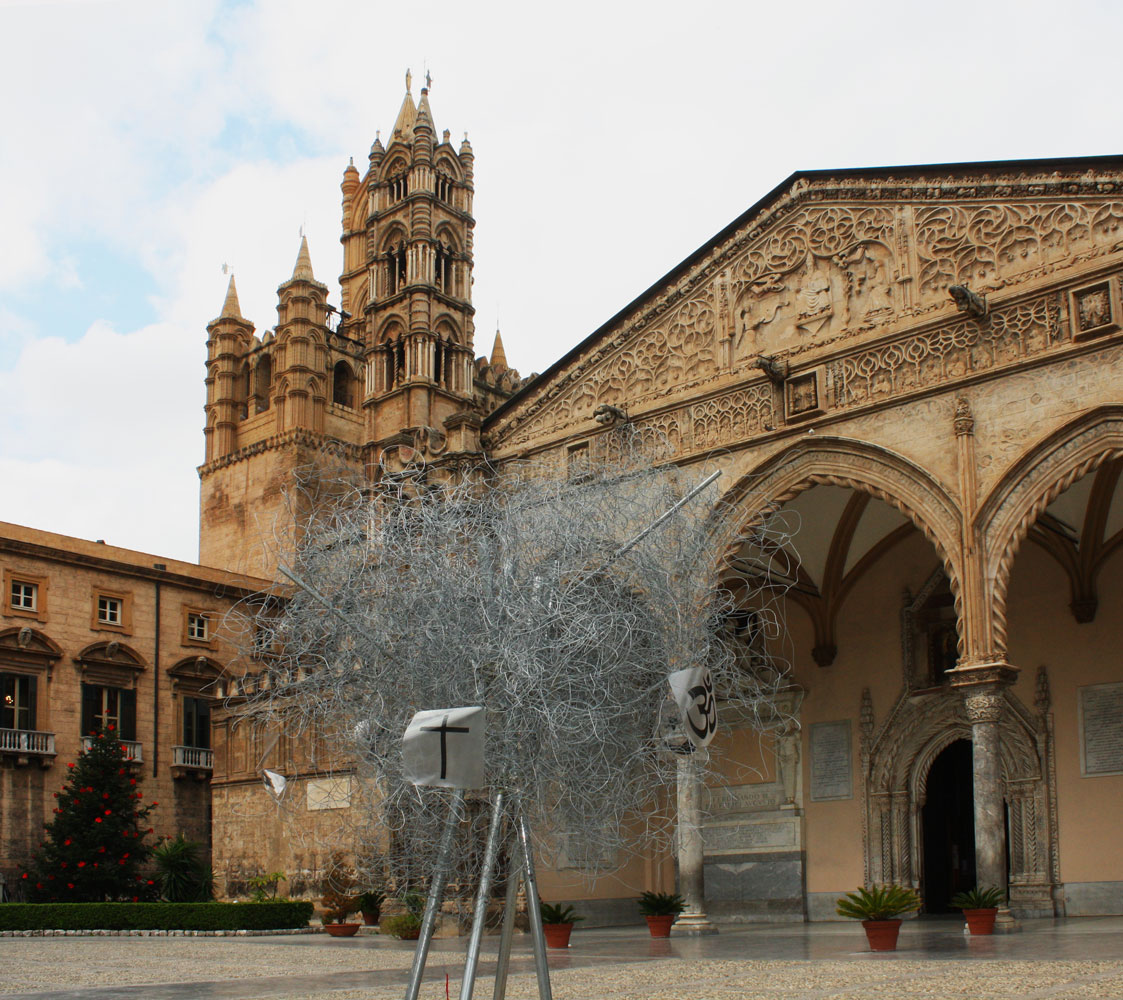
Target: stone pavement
x: 1058, y: 960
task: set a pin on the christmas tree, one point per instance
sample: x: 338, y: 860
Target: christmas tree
x: 95, y: 845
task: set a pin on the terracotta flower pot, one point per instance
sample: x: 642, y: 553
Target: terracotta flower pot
x: 660, y: 925
x: 341, y: 930
x: 557, y: 935
x: 370, y: 918
x: 981, y: 921
x: 882, y: 934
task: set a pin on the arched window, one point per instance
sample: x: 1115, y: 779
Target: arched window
x: 396, y: 267
x: 263, y: 383
x: 242, y: 390
x: 343, y: 385
x: 443, y: 269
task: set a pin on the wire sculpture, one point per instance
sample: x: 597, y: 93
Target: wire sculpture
x: 560, y: 600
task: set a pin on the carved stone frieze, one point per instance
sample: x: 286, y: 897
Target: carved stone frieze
x: 946, y: 353
x: 805, y: 273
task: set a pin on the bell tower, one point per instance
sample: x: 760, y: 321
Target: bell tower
x: 406, y: 284
x: 387, y: 377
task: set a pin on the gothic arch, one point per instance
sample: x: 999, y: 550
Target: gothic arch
x: 447, y: 235
x: 897, y: 760
x: 447, y: 162
x: 869, y: 468
x: 1034, y: 481
x: 396, y: 161
x: 391, y: 331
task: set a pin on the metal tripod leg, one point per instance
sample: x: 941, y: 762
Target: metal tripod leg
x: 491, y: 853
x: 506, y: 937
x: 436, y: 894
x: 536, y: 933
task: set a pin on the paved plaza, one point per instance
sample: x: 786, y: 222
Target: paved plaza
x: 1059, y: 960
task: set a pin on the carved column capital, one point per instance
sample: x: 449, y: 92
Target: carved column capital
x: 984, y: 705
x: 964, y: 418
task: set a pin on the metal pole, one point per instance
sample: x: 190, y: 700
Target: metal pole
x: 506, y: 937
x: 491, y: 852
x: 536, y: 933
x: 436, y: 894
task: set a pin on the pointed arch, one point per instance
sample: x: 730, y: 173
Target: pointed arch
x: 1041, y: 474
x: 870, y: 469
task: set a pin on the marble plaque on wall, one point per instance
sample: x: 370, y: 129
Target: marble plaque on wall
x: 830, y: 761
x: 1101, y: 729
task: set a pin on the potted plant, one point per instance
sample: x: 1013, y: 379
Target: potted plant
x: 660, y: 909
x: 980, y: 907
x: 339, y: 899
x: 557, y: 923
x: 406, y: 926
x: 370, y: 906
x: 879, y: 908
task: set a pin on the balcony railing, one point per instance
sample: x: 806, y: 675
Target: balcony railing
x: 26, y: 741
x: 195, y: 757
x: 132, y: 749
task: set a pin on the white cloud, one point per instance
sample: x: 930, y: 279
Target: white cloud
x: 186, y: 134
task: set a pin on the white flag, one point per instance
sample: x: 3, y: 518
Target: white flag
x: 444, y: 747
x: 693, y: 691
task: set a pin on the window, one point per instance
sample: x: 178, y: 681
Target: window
x: 197, y: 627
x: 25, y: 595
x: 17, y: 707
x: 104, y: 706
x: 109, y: 610
x: 197, y: 723
x: 112, y: 610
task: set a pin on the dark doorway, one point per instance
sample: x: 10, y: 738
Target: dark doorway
x: 948, y: 821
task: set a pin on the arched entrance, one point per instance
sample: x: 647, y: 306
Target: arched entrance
x: 947, y: 825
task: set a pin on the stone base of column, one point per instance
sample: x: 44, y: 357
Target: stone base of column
x: 693, y: 924
x: 1005, y: 922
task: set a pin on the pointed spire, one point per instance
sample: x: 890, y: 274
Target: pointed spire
x: 424, y: 113
x: 403, y: 127
x: 303, y: 269
x: 498, y: 355
x: 230, y: 308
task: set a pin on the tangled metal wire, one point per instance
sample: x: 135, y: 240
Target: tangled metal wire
x: 561, y: 603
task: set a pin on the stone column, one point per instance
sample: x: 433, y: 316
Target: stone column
x: 982, y: 686
x: 692, y: 885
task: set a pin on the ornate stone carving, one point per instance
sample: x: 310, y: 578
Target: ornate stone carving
x: 1042, y: 698
x: 978, y: 245
x: 983, y: 706
x: 731, y: 416
x: 945, y: 353
x: 1095, y: 309
x: 804, y: 273
x: 902, y: 750
x: 964, y: 418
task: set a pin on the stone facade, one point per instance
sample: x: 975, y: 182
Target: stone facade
x: 92, y: 632
x: 924, y: 364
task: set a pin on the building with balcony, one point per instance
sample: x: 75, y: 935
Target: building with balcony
x: 92, y: 635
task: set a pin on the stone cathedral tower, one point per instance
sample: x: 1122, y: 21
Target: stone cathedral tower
x: 389, y: 377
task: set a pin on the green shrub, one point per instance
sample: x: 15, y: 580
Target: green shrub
x: 979, y: 898
x: 278, y: 915
x: 881, y: 902
x: 554, y: 913
x: 402, y: 925
x: 661, y: 904
x: 181, y: 874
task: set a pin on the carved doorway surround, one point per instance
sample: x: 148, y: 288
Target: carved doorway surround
x: 896, y: 757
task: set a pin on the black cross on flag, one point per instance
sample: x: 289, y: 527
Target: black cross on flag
x: 444, y: 747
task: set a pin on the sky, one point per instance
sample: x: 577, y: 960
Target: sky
x: 147, y: 144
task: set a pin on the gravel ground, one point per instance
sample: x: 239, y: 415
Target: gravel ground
x: 29, y: 965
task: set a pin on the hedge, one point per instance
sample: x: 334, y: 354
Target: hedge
x: 272, y: 915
